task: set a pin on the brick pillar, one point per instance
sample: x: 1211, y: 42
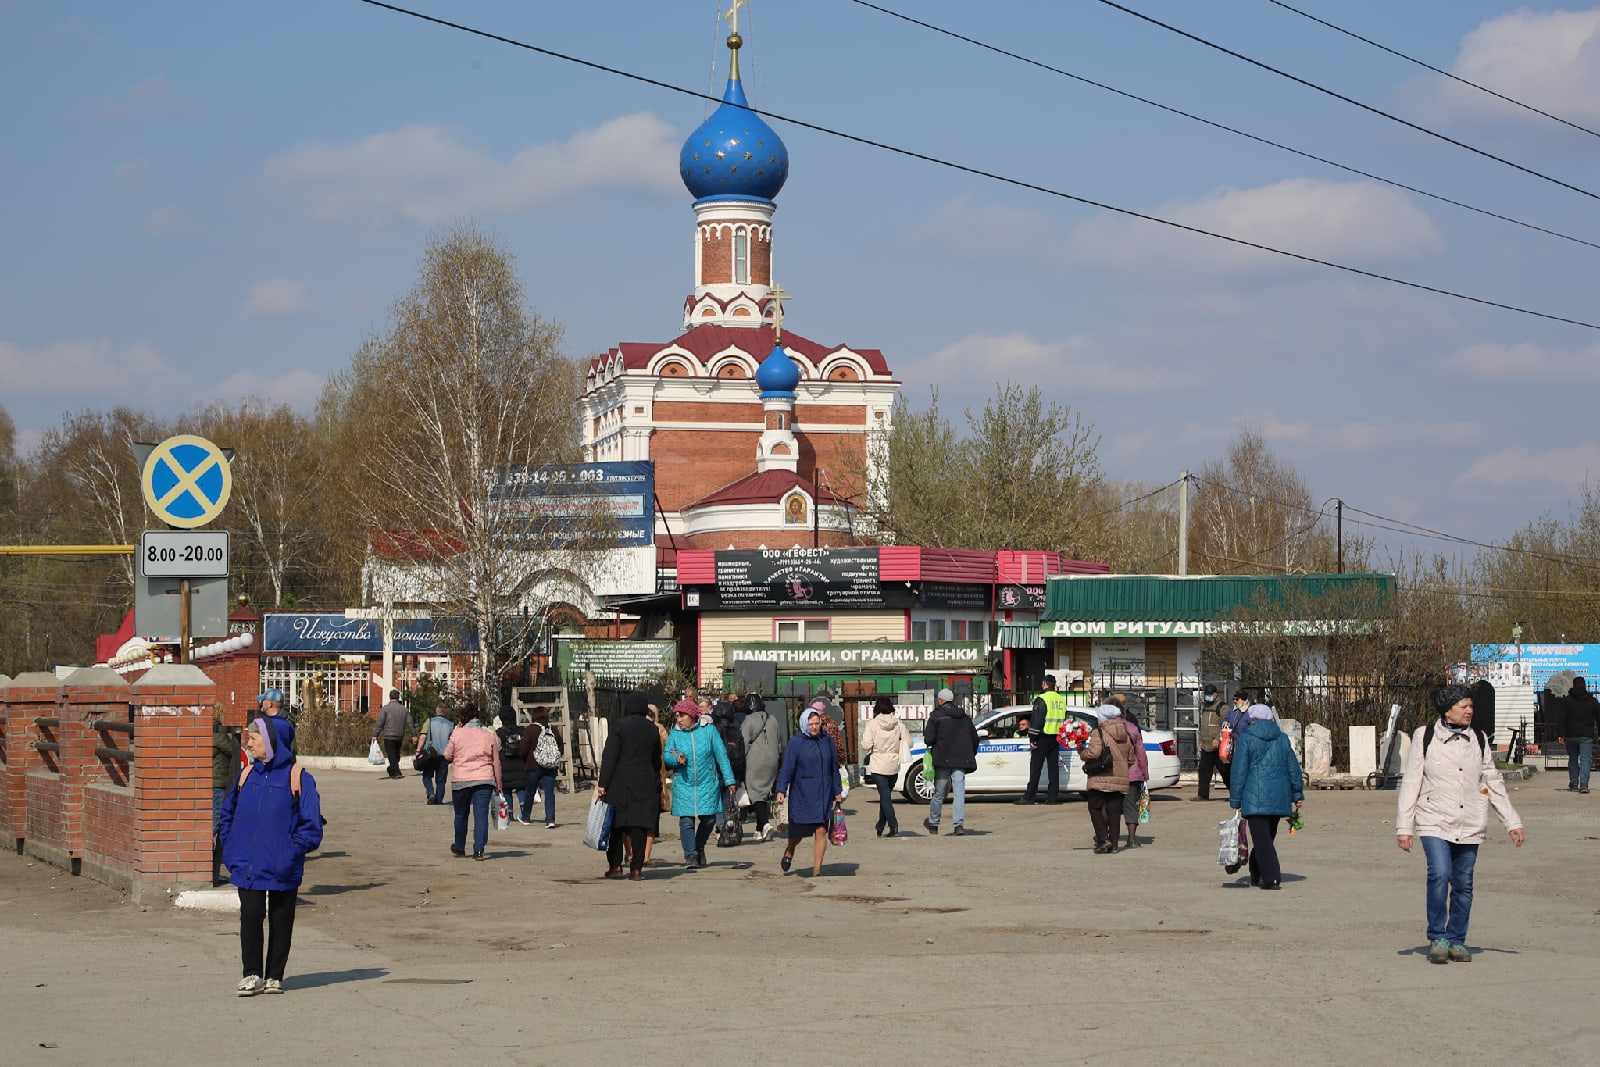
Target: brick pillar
x: 89, y: 695
x: 172, y: 780
x: 6, y: 815
x: 30, y: 695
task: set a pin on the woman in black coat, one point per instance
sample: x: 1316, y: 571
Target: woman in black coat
x: 630, y: 779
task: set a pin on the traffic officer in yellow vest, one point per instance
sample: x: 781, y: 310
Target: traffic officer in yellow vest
x: 1049, y: 712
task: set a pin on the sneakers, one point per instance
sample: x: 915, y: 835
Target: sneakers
x: 958, y: 831
x: 549, y: 826
x: 931, y: 827
x: 524, y: 820
x: 272, y: 985
x: 1025, y: 800
x: 250, y: 986
x: 1458, y: 954
x: 1439, y: 952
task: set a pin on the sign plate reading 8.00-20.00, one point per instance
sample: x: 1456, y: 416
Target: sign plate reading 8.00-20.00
x: 184, y: 554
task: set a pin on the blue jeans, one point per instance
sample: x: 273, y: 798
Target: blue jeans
x: 475, y: 797
x: 942, y: 777
x: 694, y: 831
x: 886, y: 819
x: 545, y: 780
x: 217, y: 797
x: 1450, y: 869
x: 433, y: 781
x: 1580, y: 752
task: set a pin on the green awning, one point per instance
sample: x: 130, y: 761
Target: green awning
x: 1020, y: 635
x: 1195, y: 598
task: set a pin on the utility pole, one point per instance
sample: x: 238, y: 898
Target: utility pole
x: 1183, y: 523
x: 1338, y: 531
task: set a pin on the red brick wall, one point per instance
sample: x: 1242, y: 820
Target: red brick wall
x: 108, y: 820
x: 701, y: 412
x: 692, y: 463
x: 238, y: 680
x: 830, y: 415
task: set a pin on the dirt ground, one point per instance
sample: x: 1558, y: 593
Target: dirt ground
x: 1014, y: 944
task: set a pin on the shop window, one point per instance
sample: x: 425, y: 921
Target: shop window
x: 919, y: 630
x: 800, y: 631
x: 936, y: 630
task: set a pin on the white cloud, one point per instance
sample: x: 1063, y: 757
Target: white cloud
x: 426, y: 174
x: 1360, y: 437
x: 130, y: 172
x: 280, y: 296
x: 1354, y: 223
x: 1020, y: 358
x: 78, y: 367
x: 299, y: 388
x: 1527, y: 363
x: 161, y: 220
x: 1549, y: 60
x: 1567, y: 468
x: 151, y: 96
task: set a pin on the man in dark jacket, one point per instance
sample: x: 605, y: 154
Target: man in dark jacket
x: 953, y: 740
x: 394, y: 722
x: 1212, y: 711
x: 1580, y: 721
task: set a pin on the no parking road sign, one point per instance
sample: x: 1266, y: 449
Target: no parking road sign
x: 186, y: 481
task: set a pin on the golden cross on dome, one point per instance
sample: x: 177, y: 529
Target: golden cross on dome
x: 732, y: 14
x: 777, y: 296
x: 734, y: 40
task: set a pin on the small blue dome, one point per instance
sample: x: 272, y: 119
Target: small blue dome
x: 778, y: 374
x: 733, y: 153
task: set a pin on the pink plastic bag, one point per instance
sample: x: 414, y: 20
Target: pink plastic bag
x: 838, y: 833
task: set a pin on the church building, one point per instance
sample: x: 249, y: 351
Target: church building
x: 758, y: 435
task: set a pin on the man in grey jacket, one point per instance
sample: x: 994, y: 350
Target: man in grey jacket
x: 394, y: 722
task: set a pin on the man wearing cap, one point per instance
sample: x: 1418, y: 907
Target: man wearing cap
x: 271, y: 702
x: 1211, y: 715
x: 953, y: 740
x: 1044, y: 727
x: 390, y: 730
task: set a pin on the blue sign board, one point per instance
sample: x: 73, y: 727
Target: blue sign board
x: 1534, y: 664
x: 552, y: 502
x: 335, y: 634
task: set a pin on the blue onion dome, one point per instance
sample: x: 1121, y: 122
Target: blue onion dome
x: 734, y: 153
x: 778, y: 374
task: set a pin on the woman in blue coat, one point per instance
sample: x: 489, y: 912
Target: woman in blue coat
x: 1265, y: 786
x: 701, y: 774
x: 270, y: 820
x: 809, y: 778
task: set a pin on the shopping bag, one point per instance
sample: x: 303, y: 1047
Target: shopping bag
x: 502, y: 812
x: 1228, y: 840
x: 741, y: 797
x: 1144, y: 805
x: 375, y: 754
x: 597, y: 827
x: 838, y: 833
x: 844, y: 783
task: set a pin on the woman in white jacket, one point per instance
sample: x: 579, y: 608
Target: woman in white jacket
x: 1449, y: 785
x: 884, y: 743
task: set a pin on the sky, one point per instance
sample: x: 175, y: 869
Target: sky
x: 212, y: 201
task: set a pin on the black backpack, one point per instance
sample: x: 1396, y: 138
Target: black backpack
x: 733, y: 741
x: 1427, y: 739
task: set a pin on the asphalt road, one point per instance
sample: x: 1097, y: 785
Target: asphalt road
x: 1011, y: 945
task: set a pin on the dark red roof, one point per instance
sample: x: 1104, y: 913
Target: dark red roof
x: 708, y: 339
x: 764, y: 487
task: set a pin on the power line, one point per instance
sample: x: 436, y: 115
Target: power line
x: 977, y: 172
x: 1129, y: 503
x: 1413, y: 530
x: 1352, y: 101
x: 1436, y: 70
x: 1220, y: 126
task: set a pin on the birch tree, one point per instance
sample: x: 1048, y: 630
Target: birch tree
x: 464, y: 383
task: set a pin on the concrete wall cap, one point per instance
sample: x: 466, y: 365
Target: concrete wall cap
x: 5, y: 680
x: 169, y: 674
x: 95, y: 676
x: 35, y: 680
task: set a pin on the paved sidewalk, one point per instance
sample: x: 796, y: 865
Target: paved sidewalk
x: 1013, y: 944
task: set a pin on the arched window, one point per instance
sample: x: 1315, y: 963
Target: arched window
x: 741, y: 256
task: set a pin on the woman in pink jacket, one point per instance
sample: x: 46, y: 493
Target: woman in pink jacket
x: 474, y: 757
x: 1138, y: 774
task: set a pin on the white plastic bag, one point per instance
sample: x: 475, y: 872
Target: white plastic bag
x: 375, y: 754
x: 741, y: 797
x: 502, y: 812
x: 844, y: 781
x: 1228, y: 845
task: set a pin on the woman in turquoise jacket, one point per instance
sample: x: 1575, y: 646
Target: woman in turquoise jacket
x: 1266, y: 786
x: 701, y: 774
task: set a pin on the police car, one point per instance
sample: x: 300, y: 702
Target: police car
x: 1003, y: 757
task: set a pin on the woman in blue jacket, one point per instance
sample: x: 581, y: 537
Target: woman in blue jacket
x: 270, y: 820
x: 700, y: 774
x: 1265, y: 786
x: 809, y: 778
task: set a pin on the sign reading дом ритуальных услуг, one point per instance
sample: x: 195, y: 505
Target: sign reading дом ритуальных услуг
x: 1078, y: 628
